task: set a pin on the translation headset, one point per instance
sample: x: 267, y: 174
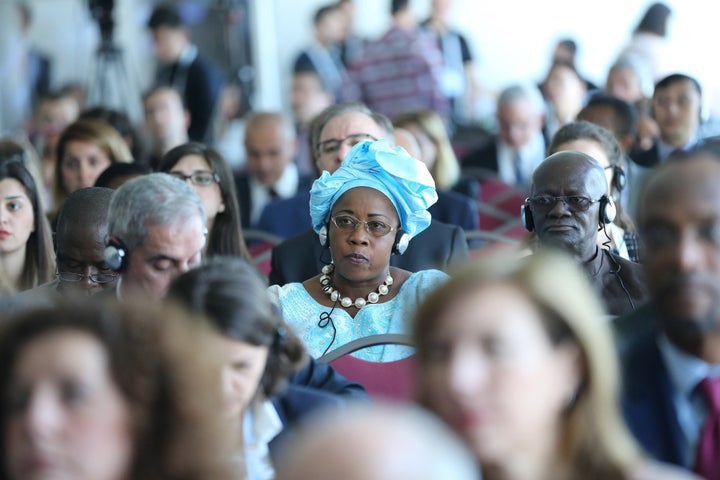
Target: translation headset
x: 402, y: 240
x: 607, y: 212
x: 116, y: 254
x: 619, y: 178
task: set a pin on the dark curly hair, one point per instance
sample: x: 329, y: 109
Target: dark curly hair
x: 233, y: 296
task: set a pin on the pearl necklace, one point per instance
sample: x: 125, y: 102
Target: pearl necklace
x: 373, y: 297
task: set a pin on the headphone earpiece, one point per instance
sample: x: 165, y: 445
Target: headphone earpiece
x: 323, y: 237
x: 116, y: 254
x: 402, y: 240
x: 526, y: 217
x: 608, y: 211
x: 619, y: 178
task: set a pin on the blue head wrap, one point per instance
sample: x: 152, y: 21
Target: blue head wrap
x: 392, y: 171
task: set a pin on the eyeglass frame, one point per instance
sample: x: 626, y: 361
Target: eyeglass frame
x: 321, y: 146
x: 563, y: 198
x: 181, y: 176
x: 79, y: 277
x: 357, y: 222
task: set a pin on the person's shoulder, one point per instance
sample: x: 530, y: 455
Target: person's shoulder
x: 652, y: 470
x: 430, y: 278
x: 646, y: 158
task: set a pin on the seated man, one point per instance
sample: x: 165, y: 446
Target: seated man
x: 568, y: 205
x: 670, y: 349
x: 166, y: 122
x: 333, y: 133
x: 80, y: 235
x: 520, y: 144
x: 270, y: 146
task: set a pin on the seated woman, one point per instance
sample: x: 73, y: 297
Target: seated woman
x: 93, y: 391
x: 259, y: 355
x: 365, y: 211
x: 84, y: 150
x: 210, y: 176
x: 620, y: 235
x: 437, y: 154
x: 516, y: 356
x: 26, y: 251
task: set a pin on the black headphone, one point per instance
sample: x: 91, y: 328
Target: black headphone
x: 116, y: 254
x: 402, y: 240
x: 607, y: 213
x: 619, y: 179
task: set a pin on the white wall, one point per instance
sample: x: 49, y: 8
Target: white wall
x: 511, y: 39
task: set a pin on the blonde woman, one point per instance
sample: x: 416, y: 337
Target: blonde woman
x: 514, y: 354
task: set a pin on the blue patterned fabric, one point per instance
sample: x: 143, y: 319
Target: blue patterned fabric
x: 302, y: 313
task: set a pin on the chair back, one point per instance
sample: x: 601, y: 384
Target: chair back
x: 382, y: 380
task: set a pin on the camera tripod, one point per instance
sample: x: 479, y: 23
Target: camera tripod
x: 110, y: 85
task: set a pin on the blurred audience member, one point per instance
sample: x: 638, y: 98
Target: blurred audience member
x: 516, y: 356
x: 566, y: 50
x: 100, y: 391
x: 649, y: 41
x: 613, y: 114
x: 120, y: 122
x: 520, y: 144
x: 401, y: 71
x: 84, y: 150
x: 564, y: 90
x: 380, y: 442
x: 308, y: 97
x: 322, y: 57
x: 458, y: 76
x: 118, y: 173
x: 184, y: 69
x: 270, y: 146
x: 437, y: 154
x: 229, y: 126
x: 166, y: 122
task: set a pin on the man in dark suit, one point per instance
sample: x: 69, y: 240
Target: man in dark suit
x: 182, y: 68
x: 333, y: 133
x: 520, y: 144
x: 271, y: 175
x: 670, y: 349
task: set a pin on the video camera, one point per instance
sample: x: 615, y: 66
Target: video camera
x: 102, y: 12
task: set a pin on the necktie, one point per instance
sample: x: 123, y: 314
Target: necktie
x: 519, y: 177
x: 707, y: 462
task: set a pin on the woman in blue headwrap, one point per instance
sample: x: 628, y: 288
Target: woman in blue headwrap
x: 367, y: 210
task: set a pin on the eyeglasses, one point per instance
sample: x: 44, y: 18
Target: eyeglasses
x: 330, y: 147
x: 94, y: 277
x: 348, y: 224
x: 576, y: 203
x: 200, y: 178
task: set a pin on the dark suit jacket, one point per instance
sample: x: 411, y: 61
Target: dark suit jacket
x: 294, y: 405
x: 199, y: 84
x: 647, y: 158
x: 242, y: 186
x: 289, y: 217
x: 647, y: 392
x: 323, y: 377
x: 484, y: 157
x: 302, y: 256
x: 456, y: 209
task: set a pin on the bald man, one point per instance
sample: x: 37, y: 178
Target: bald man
x: 270, y: 147
x: 79, y: 243
x: 377, y: 443
x: 671, y: 347
x: 568, y: 205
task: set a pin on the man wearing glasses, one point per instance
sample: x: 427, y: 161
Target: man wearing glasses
x: 79, y: 243
x: 568, y: 205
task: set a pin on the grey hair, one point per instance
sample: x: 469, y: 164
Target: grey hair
x: 157, y: 198
x: 520, y: 91
x: 639, y: 67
